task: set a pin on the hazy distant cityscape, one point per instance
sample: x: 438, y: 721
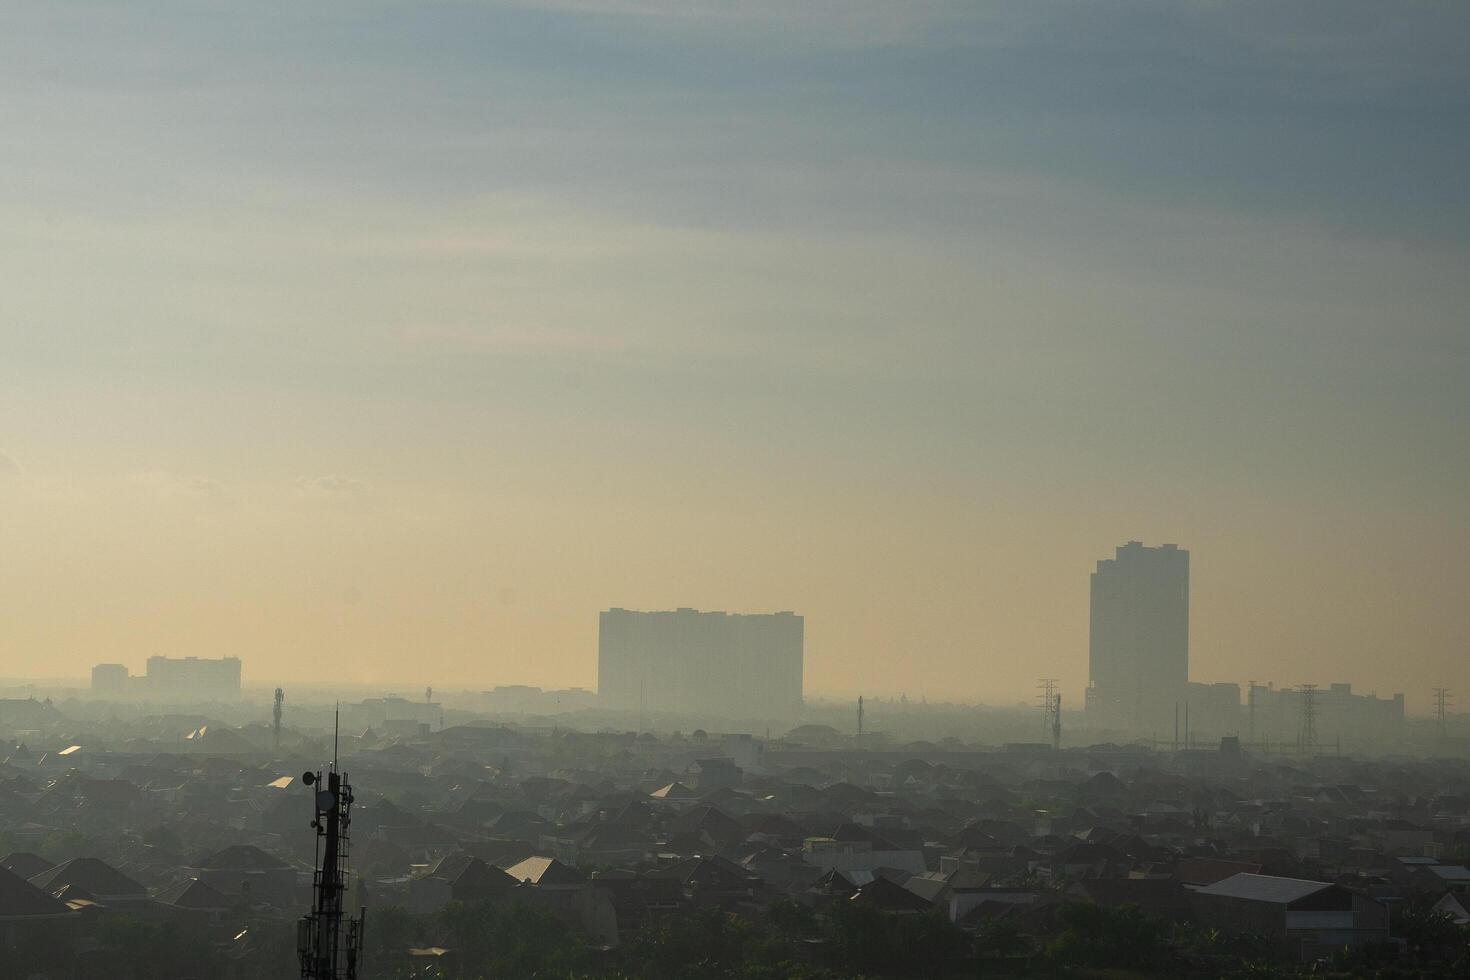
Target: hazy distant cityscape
x: 709, y: 490
x: 686, y: 669
x: 159, y: 820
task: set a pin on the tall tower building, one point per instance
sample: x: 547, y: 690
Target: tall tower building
x: 1139, y: 645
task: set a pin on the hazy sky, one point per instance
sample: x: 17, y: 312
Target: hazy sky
x: 397, y: 340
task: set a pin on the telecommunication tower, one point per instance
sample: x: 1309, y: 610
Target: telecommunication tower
x: 330, y: 943
x: 860, y: 723
x: 276, y: 719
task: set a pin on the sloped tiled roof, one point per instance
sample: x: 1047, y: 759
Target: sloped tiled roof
x: 242, y: 857
x: 545, y: 871
x: 25, y: 864
x: 1264, y: 888
x: 193, y: 894
x: 20, y: 899
x: 1207, y: 871
x: 833, y: 883
x: 95, y: 876
x: 883, y: 894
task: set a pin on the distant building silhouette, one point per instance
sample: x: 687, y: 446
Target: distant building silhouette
x: 1139, y: 644
x: 706, y: 663
x: 172, y: 678
x: 1359, y: 721
x: 393, y: 715
x: 533, y: 700
x: 195, y: 677
x: 110, y: 679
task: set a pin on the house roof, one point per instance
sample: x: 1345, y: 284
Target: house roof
x: 471, y: 877
x: 25, y: 864
x: 708, y: 819
x: 540, y: 870
x: 191, y: 893
x: 1451, y: 873
x: 453, y: 867
x: 95, y: 876
x: 851, y: 832
x: 1207, y: 871
x: 1451, y: 905
x: 242, y: 857
x: 833, y: 883
x: 885, y: 895
x: 1264, y: 888
x: 926, y: 886
x: 19, y: 899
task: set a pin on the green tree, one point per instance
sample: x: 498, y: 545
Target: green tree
x: 1100, y: 937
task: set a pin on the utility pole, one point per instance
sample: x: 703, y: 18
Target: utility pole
x: 1309, y: 719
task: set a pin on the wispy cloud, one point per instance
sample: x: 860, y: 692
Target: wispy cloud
x: 513, y: 340
x: 831, y: 22
x: 166, y: 484
x: 332, y: 484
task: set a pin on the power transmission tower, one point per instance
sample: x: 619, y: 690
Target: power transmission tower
x: 1056, y: 723
x: 1441, y: 711
x: 1051, y: 704
x: 276, y: 719
x: 1250, y: 714
x: 1308, y: 741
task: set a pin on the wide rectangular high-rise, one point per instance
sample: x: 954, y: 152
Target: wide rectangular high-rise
x: 1139, y: 642
x: 713, y: 664
x: 193, y: 678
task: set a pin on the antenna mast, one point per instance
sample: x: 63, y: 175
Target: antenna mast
x: 329, y: 951
x: 276, y: 719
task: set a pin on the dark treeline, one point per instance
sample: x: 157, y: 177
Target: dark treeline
x: 788, y: 941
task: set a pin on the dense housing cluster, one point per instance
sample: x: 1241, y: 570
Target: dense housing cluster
x: 176, y: 845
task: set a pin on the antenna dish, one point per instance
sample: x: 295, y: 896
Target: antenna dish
x: 308, y: 778
x: 326, y: 800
